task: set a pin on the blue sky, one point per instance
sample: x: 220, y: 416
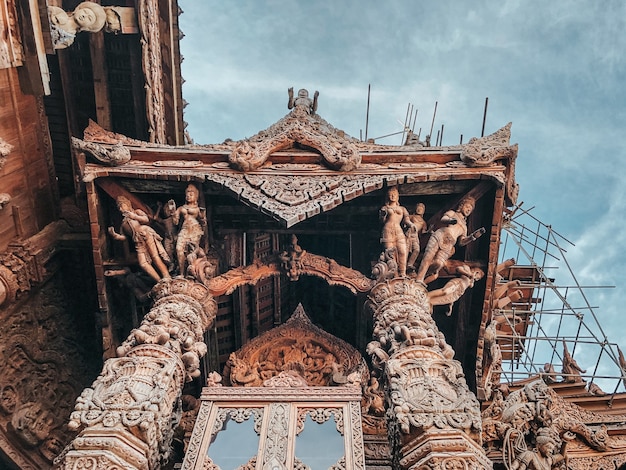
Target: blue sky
x: 555, y: 69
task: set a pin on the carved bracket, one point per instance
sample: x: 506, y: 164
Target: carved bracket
x: 114, y: 155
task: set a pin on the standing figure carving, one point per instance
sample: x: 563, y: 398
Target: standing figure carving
x: 413, y: 233
x: 442, y: 242
x: 303, y: 101
x: 394, y: 216
x: 191, y: 220
x: 150, y: 251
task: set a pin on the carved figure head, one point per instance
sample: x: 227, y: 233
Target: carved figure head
x: 191, y: 193
x: 123, y: 204
x: 466, y: 205
x: 420, y: 208
x: 89, y: 16
x: 393, y: 195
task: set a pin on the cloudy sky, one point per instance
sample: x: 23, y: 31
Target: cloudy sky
x: 555, y: 69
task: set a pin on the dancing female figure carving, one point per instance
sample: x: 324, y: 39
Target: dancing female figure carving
x: 150, y: 250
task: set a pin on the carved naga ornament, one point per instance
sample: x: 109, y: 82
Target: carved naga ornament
x: 301, y: 126
x: 113, y: 155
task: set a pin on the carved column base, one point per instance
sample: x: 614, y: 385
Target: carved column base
x: 442, y: 450
x: 106, y: 449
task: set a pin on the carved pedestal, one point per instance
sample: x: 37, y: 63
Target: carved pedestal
x: 433, y: 419
x: 128, y: 415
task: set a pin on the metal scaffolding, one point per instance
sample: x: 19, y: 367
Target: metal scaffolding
x: 552, y: 313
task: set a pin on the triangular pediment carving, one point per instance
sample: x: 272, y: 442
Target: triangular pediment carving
x: 301, y: 126
x: 299, y: 348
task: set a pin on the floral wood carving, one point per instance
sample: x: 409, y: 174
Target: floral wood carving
x: 297, y: 346
x: 301, y: 126
x: 43, y: 363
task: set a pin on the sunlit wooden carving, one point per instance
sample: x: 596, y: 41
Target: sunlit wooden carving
x: 454, y: 289
x: 395, y: 219
x: 533, y: 427
x: 129, y: 408
x: 191, y: 221
x: 441, y: 244
x: 135, y: 226
x: 428, y: 397
x: 300, y: 346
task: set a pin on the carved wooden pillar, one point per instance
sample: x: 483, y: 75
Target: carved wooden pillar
x: 433, y: 419
x: 128, y: 415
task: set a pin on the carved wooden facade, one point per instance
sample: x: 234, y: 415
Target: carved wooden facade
x: 181, y: 265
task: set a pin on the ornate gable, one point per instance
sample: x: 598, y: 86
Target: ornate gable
x: 296, y: 346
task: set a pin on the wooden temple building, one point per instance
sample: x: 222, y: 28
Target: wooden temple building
x: 299, y: 299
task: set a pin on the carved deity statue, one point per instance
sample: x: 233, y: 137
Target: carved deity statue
x: 87, y: 16
x: 394, y: 216
x: 442, y: 242
x: 150, y: 250
x: 545, y: 457
x: 191, y: 220
x: 303, y: 101
x: 413, y: 233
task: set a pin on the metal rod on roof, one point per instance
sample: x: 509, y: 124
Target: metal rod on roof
x: 433, y: 122
x: 437, y: 139
x: 414, y: 119
x: 441, y: 137
x: 406, y: 118
x: 482, y: 132
x: 367, y: 114
x: 461, y: 141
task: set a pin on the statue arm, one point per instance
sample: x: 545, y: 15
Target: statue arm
x: 315, y: 96
x: 140, y: 216
x: 115, y: 235
x: 472, y: 237
x: 290, y: 102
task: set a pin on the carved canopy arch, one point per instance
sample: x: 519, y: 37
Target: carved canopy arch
x: 293, y: 351
x: 294, y: 265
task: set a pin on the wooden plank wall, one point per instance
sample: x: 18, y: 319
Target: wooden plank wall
x: 27, y: 175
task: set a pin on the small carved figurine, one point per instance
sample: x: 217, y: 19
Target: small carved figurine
x: 303, y: 101
x: 455, y: 287
x: 192, y: 220
x: 413, y: 233
x: 441, y: 244
x: 394, y: 216
x: 150, y: 250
